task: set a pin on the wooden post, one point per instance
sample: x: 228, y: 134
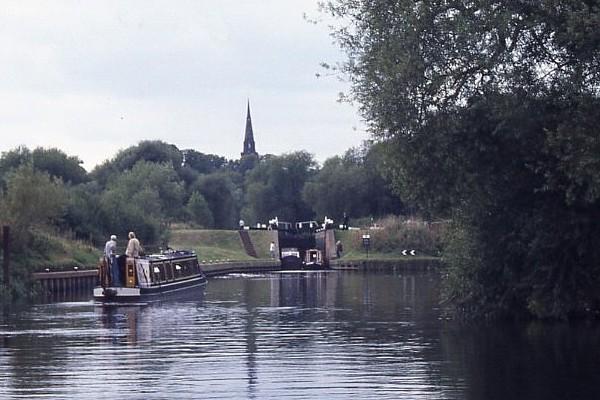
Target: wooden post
x: 6, y: 252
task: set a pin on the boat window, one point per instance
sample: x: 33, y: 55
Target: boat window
x: 168, y: 271
x: 188, y: 270
x: 178, y: 270
x: 163, y: 273
x: 156, y: 272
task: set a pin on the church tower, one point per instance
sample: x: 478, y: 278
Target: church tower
x: 249, y: 136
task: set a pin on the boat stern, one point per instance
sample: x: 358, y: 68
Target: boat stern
x: 116, y: 294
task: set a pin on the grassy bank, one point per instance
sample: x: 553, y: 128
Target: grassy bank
x: 44, y: 251
x: 390, y: 239
x: 55, y: 253
x: 215, y: 245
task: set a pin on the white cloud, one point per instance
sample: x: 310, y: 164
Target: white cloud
x: 94, y: 77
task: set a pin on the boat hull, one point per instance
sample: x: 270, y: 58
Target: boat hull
x: 129, y: 294
x: 291, y: 262
x: 313, y: 266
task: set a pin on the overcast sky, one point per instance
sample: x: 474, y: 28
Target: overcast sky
x: 93, y: 77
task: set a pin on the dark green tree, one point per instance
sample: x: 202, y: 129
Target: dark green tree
x: 154, y: 151
x: 143, y: 199
x: 32, y: 199
x: 84, y: 215
x: 219, y: 191
x: 274, y: 188
x: 13, y: 159
x: 339, y: 187
x: 351, y: 184
x: 487, y: 113
x: 198, y: 211
x: 56, y: 163
x: 204, y: 163
x: 53, y: 161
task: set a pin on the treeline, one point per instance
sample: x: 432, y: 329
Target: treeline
x: 147, y: 187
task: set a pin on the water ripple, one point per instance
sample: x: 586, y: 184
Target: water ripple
x: 262, y: 338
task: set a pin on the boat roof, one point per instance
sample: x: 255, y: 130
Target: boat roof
x: 171, y: 255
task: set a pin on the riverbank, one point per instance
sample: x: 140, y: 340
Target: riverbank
x: 380, y: 264
x: 217, y: 245
x: 397, y: 240
x: 225, y: 246
x: 221, y: 252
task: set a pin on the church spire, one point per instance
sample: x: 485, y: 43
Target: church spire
x: 248, y: 135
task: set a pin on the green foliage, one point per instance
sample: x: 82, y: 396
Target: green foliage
x: 52, y: 161
x: 247, y: 163
x: 219, y: 191
x: 339, y: 187
x: 148, y: 187
x: 152, y: 151
x: 353, y: 185
x: 274, y: 188
x: 410, y: 60
x: 84, y: 215
x: 141, y: 199
x: 12, y: 160
x: 462, y: 284
x: 44, y: 250
x: 198, y: 210
x: 488, y: 113
x: 31, y: 199
x: 397, y: 234
x: 393, y: 234
x: 204, y: 163
x: 59, y: 165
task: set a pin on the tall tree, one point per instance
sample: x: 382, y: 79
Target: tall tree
x: 486, y: 109
x: 198, y: 210
x: 154, y: 151
x: 351, y: 184
x: 60, y: 165
x: 274, y: 188
x: 32, y: 199
x: 203, y: 163
x: 53, y: 161
x: 219, y: 191
x: 141, y: 199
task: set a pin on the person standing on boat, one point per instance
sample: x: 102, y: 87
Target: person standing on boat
x: 133, y: 246
x: 272, y: 249
x: 110, y: 253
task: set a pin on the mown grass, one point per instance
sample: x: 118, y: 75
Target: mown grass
x: 214, y: 245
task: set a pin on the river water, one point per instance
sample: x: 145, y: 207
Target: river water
x: 313, y: 335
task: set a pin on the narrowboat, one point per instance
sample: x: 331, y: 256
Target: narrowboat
x: 290, y: 258
x: 313, y: 259
x: 145, y: 277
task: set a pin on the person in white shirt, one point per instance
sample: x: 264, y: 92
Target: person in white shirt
x: 110, y: 252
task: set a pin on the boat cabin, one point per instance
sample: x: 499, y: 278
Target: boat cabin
x: 148, y: 275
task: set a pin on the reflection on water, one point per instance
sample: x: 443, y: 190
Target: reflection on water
x: 291, y: 335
